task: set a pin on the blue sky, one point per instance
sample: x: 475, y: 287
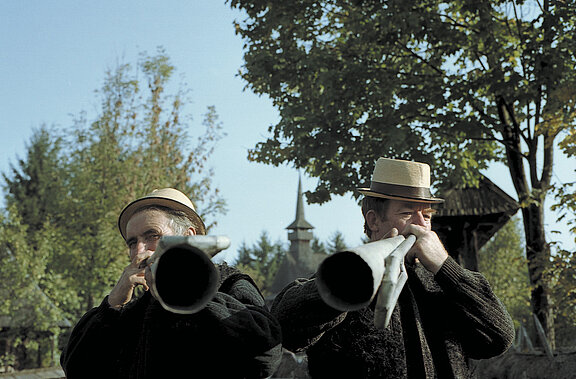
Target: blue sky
x: 54, y: 55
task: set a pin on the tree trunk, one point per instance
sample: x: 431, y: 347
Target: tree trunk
x: 538, y: 255
x: 532, y: 204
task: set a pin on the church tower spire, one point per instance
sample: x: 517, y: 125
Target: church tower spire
x: 300, y: 235
x: 300, y: 223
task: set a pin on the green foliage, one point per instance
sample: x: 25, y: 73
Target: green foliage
x: 503, y: 262
x: 34, y: 187
x: 59, y: 242
x: 31, y: 294
x: 137, y: 142
x: 318, y: 246
x: 457, y: 84
x: 24, y: 265
x: 566, y: 205
x: 261, y: 261
x: 562, y: 274
x: 354, y: 80
x: 336, y: 243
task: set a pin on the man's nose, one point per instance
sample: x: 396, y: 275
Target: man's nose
x: 141, y: 248
x: 418, y: 219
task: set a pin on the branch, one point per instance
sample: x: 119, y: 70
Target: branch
x: 532, y: 161
x: 548, y: 159
x: 493, y: 138
x: 421, y: 116
x: 478, y: 58
x: 518, y: 23
x: 515, y: 125
x: 456, y: 23
x: 411, y: 52
x: 528, y: 129
x: 538, y: 109
x: 513, y: 154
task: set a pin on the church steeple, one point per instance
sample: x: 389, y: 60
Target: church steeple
x: 300, y: 261
x: 299, y: 223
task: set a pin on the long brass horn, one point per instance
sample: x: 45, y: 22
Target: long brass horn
x: 184, y: 279
x: 349, y: 280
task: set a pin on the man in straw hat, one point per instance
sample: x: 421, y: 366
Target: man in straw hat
x: 444, y: 314
x: 233, y: 336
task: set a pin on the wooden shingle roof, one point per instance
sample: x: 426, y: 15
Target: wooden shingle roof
x: 488, y: 198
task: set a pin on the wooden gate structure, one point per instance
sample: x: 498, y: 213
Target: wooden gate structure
x: 469, y: 217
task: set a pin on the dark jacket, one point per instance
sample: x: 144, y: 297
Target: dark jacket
x: 234, y: 336
x: 439, y: 322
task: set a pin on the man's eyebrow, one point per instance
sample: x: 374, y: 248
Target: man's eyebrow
x: 146, y: 233
x: 151, y: 231
x: 411, y: 209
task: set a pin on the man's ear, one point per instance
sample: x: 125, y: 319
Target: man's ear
x: 191, y: 231
x: 372, y: 220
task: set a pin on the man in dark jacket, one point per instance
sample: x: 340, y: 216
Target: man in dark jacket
x: 232, y: 336
x: 444, y: 314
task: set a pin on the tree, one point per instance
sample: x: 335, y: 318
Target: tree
x: 30, y: 318
x: 317, y: 246
x: 34, y: 187
x: 261, y: 261
x: 60, y: 249
x: 457, y: 84
x: 503, y: 262
x: 336, y: 243
x: 139, y: 140
x: 562, y: 275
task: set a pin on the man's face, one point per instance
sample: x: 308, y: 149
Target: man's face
x: 144, y: 230
x: 400, y: 214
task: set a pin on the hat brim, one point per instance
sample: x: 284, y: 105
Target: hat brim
x: 369, y: 192
x: 131, y: 208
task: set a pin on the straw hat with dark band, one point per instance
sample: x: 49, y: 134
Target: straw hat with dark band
x: 401, y: 180
x: 165, y: 197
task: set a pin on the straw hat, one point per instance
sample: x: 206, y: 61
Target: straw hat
x: 401, y: 180
x: 165, y: 197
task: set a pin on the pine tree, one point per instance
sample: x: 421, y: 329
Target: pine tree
x: 336, y: 243
x: 35, y: 186
x: 317, y: 246
x: 261, y: 261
